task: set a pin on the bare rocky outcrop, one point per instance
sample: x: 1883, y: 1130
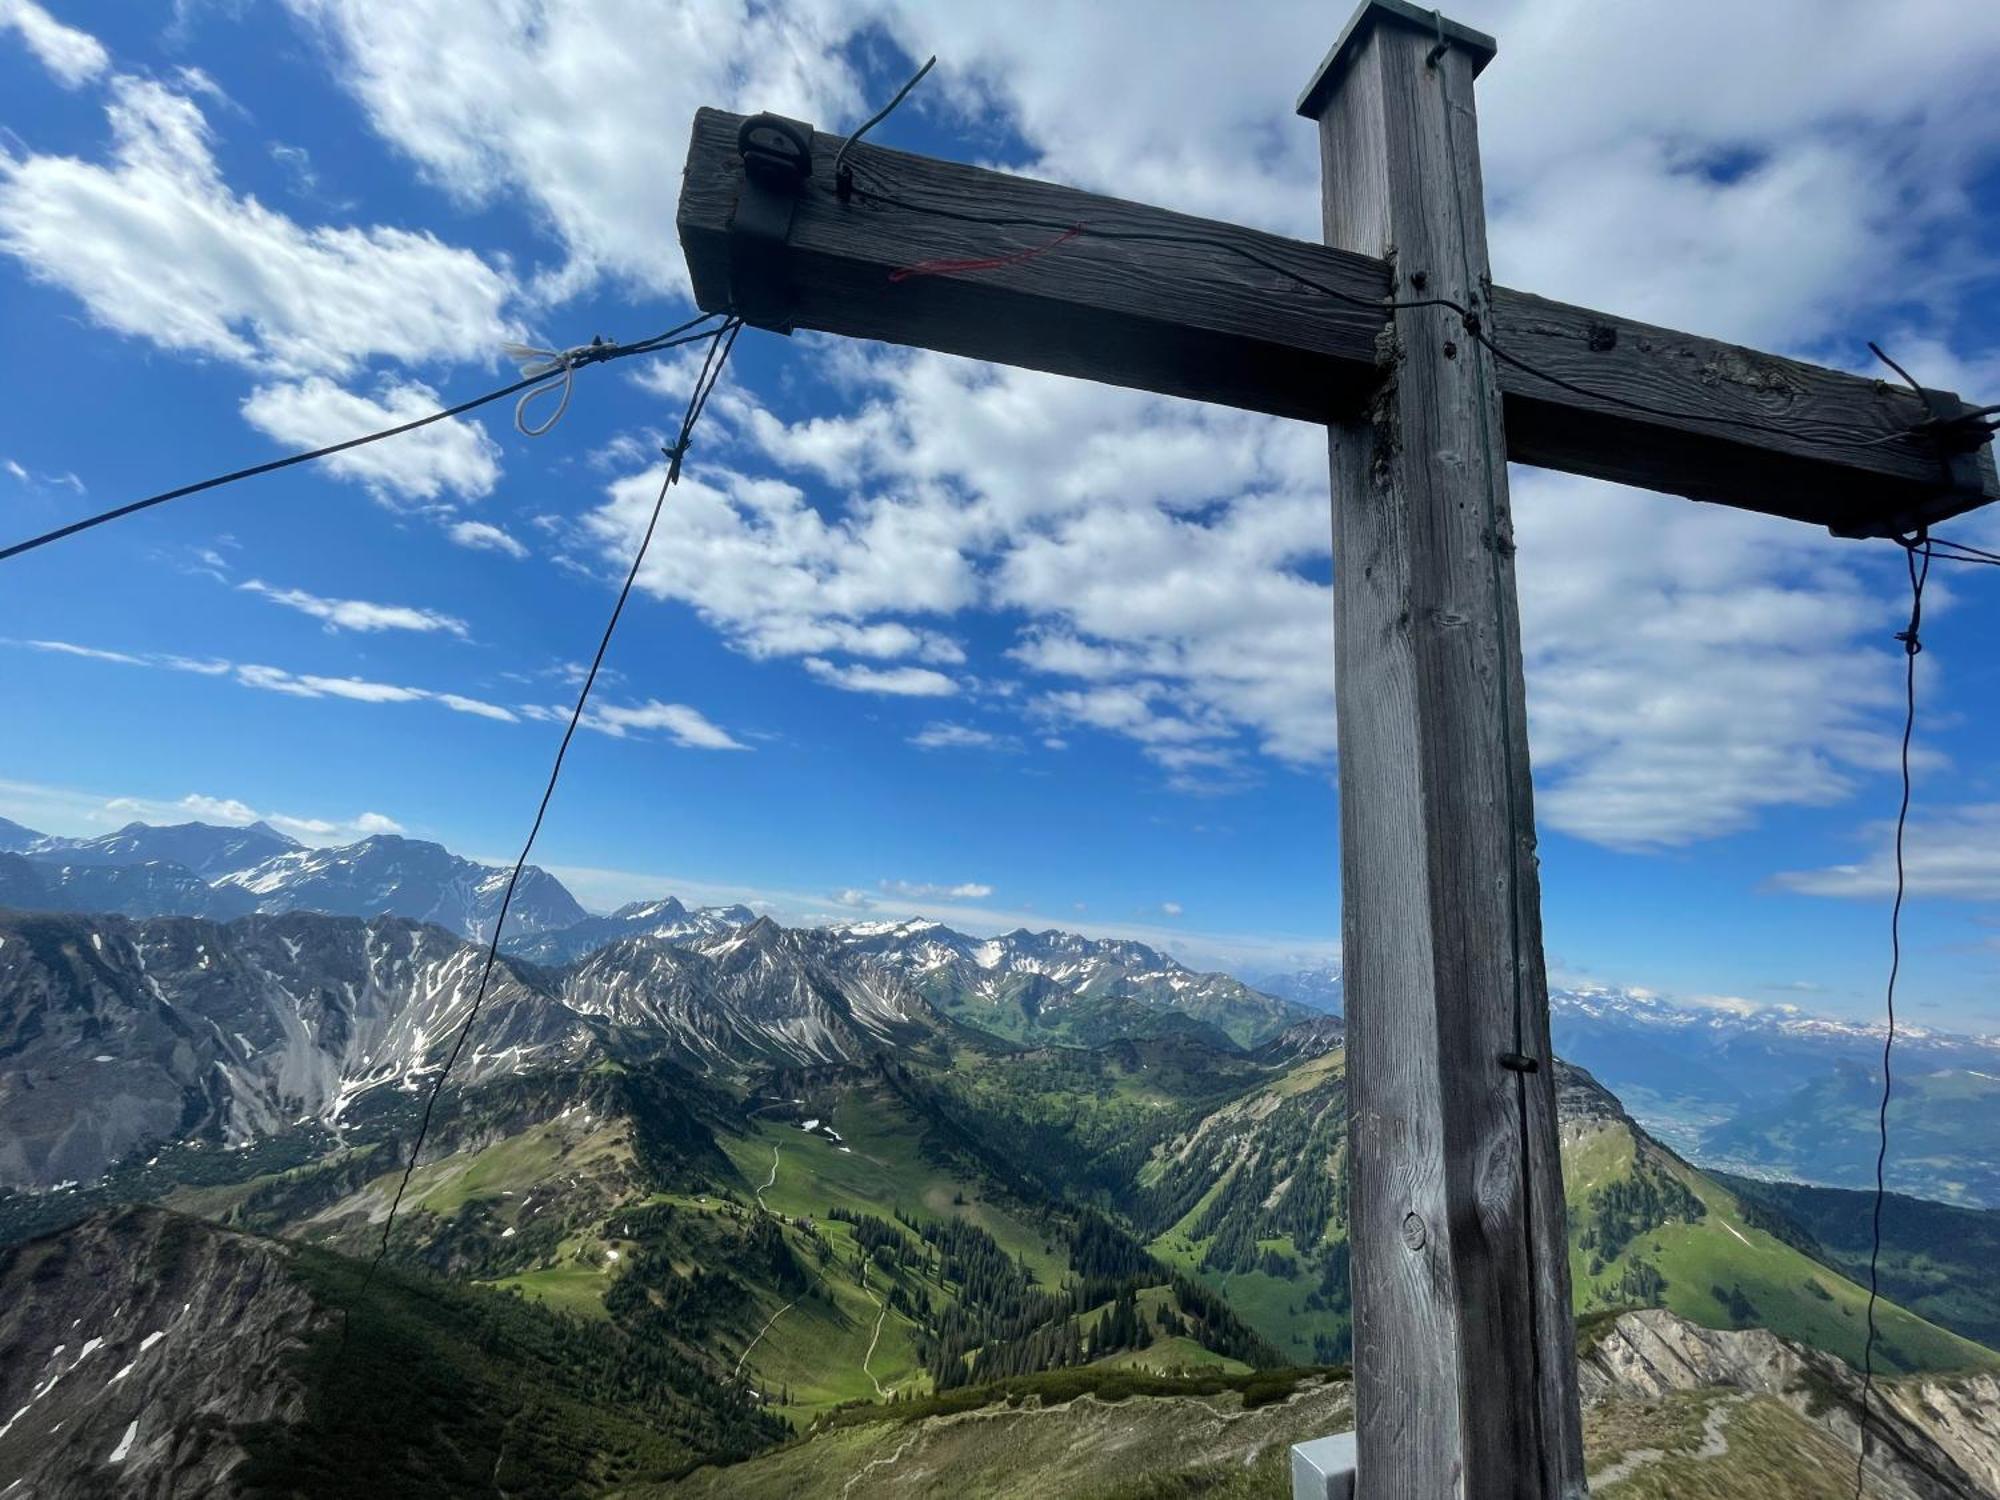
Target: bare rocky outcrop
x: 132, y: 1348
x: 1933, y: 1437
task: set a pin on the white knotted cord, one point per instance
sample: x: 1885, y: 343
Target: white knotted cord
x: 560, y: 362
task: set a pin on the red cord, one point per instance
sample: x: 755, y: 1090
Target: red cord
x: 991, y: 263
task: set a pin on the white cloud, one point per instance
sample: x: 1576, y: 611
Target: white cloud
x: 42, y: 483
x: 574, y: 104
x: 359, y: 614
x: 481, y: 536
x: 1170, y: 908
x: 91, y: 653
x: 687, y: 727
x: 761, y: 564
x: 1955, y: 856
x: 945, y: 736
x: 895, y: 682
x: 232, y: 812
x: 1689, y: 666
x: 295, y: 684
x: 461, y: 704
x: 158, y: 247
x: 73, y: 57
x: 309, y: 685
x: 915, y: 890
x: 217, y: 809
x: 452, y: 457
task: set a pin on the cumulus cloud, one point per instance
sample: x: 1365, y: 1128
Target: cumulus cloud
x: 72, y: 57
x: 449, y: 459
x: 492, y: 100
x: 482, y: 536
x: 755, y: 559
x: 1688, y: 667
x: 359, y: 614
x: 894, y: 682
x: 157, y: 246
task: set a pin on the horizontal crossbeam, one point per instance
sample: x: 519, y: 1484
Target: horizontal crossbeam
x: 1160, y: 301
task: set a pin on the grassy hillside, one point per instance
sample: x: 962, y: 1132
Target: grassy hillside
x: 1937, y: 1260
x: 1247, y: 1197
x: 1646, y: 1229
x: 424, y: 1386
x: 881, y: 1233
x: 875, y: 1254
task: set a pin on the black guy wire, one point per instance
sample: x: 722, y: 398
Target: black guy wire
x: 843, y: 175
x: 591, y: 355
x: 722, y: 340
x: 1919, y: 572
x: 1469, y: 318
x: 1959, y: 551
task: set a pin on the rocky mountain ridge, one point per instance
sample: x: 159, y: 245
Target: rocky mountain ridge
x: 666, y: 919
x: 1931, y: 1437
x: 1062, y: 985
x: 121, y: 1034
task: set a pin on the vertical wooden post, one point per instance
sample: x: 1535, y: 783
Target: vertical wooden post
x: 1464, y: 1342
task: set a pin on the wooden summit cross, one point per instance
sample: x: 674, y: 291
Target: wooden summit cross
x: 1465, y: 1381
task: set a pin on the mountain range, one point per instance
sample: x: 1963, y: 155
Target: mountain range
x: 750, y: 1242
x: 786, y: 1179
x: 1770, y: 1091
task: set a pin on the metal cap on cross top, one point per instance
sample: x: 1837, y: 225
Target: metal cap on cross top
x: 1373, y: 13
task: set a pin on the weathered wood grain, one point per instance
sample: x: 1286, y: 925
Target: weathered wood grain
x: 1201, y: 321
x: 1463, y: 1339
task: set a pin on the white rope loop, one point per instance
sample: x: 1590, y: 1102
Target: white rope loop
x: 536, y: 361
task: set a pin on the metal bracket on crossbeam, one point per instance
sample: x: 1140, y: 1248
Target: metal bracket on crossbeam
x: 777, y: 164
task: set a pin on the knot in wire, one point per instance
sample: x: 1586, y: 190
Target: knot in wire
x: 563, y: 363
x: 674, y: 456
x: 1917, y: 545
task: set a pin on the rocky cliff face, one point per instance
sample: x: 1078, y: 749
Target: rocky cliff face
x: 132, y: 1346
x: 1930, y: 1437
x: 762, y: 993
x: 115, y: 1034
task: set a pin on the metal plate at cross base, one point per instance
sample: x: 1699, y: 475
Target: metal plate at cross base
x: 1323, y: 1469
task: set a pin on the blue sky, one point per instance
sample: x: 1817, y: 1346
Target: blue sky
x: 919, y: 635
